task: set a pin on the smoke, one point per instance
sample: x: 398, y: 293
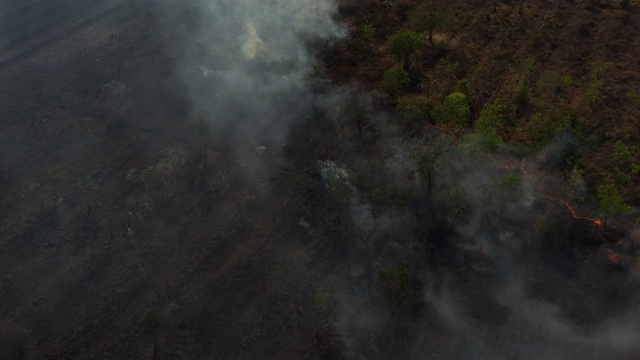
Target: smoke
x: 521, y: 327
x: 479, y: 262
x: 504, y: 271
x: 244, y: 64
x: 486, y: 246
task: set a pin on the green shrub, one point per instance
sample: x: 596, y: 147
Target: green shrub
x: 511, y: 182
x: 396, y: 79
x: 487, y: 142
x: 634, y: 96
x: 522, y: 94
x: 558, y: 82
x: 368, y: 31
x: 620, y: 176
x: 591, y: 130
x: 550, y: 22
x: 490, y: 141
x: 597, y: 92
x: 403, y: 44
x: 543, y: 128
x: 602, y: 71
x: 621, y: 151
x: 448, y: 69
x: 454, y: 109
x: 622, y: 158
x: 492, y: 116
x: 610, y: 200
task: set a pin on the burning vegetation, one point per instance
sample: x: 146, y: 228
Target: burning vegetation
x: 596, y: 221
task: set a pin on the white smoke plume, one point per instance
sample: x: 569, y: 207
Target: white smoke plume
x: 244, y: 64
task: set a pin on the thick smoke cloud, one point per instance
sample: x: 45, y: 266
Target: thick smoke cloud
x: 244, y: 66
x: 498, y: 311
x: 508, y: 272
x: 244, y: 63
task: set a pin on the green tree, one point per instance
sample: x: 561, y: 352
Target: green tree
x: 621, y: 151
x: 454, y: 109
x: 431, y: 16
x: 511, y: 182
x: 557, y: 82
x: 544, y: 127
x: 598, y: 92
x: 427, y: 157
x: 402, y: 45
x: 610, y: 200
x: 491, y: 117
x: 522, y: 94
x: 621, y: 158
x: 395, y: 79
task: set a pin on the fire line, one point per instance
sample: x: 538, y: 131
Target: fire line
x: 615, y: 259
x: 577, y: 217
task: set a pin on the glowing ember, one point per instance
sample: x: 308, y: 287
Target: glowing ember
x: 617, y: 243
x: 577, y: 217
x: 615, y: 259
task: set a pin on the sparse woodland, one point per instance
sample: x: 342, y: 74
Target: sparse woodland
x: 530, y: 71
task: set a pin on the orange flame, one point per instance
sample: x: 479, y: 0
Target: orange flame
x: 577, y: 217
x: 615, y: 259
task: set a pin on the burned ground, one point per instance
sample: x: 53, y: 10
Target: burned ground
x: 128, y: 230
